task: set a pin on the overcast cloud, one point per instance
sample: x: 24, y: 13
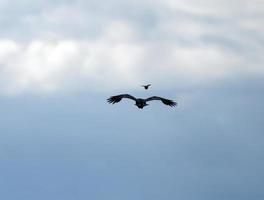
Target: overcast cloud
x: 71, y: 45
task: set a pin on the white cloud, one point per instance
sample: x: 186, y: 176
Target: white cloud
x: 189, y: 43
x: 224, y: 8
x: 114, y: 61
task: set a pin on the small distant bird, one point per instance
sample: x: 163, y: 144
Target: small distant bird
x: 140, y: 103
x: 146, y: 86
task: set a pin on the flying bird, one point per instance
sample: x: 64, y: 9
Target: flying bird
x: 146, y: 86
x: 140, y: 103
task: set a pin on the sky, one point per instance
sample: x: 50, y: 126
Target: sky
x: 59, y: 62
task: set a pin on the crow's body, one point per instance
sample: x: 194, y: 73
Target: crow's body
x: 140, y: 103
x: 146, y: 86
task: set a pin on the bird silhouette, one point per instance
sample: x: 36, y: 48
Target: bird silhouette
x: 140, y: 103
x: 146, y: 86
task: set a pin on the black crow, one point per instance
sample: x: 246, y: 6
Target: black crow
x: 140, y: 103
x: 146, y: 86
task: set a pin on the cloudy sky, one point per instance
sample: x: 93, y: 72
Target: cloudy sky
x: 59, y: 62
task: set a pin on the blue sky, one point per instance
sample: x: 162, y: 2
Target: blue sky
x: 61, y: 60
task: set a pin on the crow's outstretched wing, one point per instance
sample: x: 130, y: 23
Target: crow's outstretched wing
x: 165, y: 101
x: 117, y: 98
